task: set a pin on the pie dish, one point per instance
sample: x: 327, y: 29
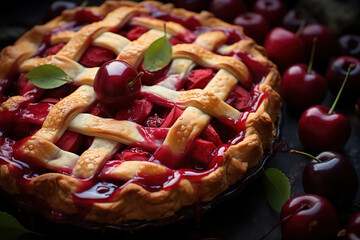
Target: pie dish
x: 197, y: 126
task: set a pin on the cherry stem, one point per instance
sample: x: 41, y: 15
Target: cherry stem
x: 351, y: 66
x: 312, y: 56
x: 301, y: 26
x: 306, y: 154
x: 303, y: 206
x: 132, y: 82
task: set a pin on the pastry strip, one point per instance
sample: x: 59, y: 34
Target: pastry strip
x: 91, y: 159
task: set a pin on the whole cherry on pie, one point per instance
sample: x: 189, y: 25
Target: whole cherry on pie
x: 117, y: 84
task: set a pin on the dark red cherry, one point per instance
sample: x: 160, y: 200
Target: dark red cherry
x: 331, y: 175
x: 353, y: 228
x: 192, y: 5
x: 116, y: 84
x: 284, y: 47
x: 336, y: 72
x: 294, y: 18
x: 320, y: 130
x: 326, y: 44
x: 350, y: 45
x: 301, y: 88
x: 56, y: 8
x: 254, y: 24
x: 308, y: 217
x: 227, y: 10
x: 272, y: 10
x: 150, y: 78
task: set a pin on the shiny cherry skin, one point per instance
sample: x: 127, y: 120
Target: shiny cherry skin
x: 326, y: 43
x: 336, y: 73
x: 333, y: 178
x: 300, y: 89
x: 350, y: 45
x: 272, y: 10
x: 353, y: 228
x: 192, y: 5
x: 113, y: 86
x: 284, y: 47
x: 320, y: 131
x: 309, y: 217
x: 56, y: 8
x: 227, y: 10
x: 292, y: 20
x: 254, y: 24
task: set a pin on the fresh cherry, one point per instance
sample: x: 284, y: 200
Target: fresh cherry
x: 336, y: 72
x: 320, y: 129
x: 117, y: 84
x: 350, y: 45
x: 254, y: 24
x: 294, y: 20
x: 302, y: 87
x: 227, y: 10
x: 308, y: 216
x: 284, y: 47
x: 326, y: 42
x: 150, y: 78
x: 353, y: 228
x: 192, y: 5
x: 56, y: 8
x: 272, y: 10
x: 332, y: 176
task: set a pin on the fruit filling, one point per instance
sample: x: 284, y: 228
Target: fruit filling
x: 151, y: 111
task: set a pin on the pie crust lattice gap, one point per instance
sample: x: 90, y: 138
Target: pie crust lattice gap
x: 69, y: 181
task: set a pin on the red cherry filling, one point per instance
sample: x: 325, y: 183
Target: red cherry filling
x: 239, y: 98
x: 202, y: 151
x: 133, y: 154
x: 135, y: 33
x: 136, y: 112
x: 198, y: 78
x: 96, y: 56
x: 70, y: 141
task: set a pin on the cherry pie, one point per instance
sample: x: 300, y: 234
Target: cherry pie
x: 194, y: 129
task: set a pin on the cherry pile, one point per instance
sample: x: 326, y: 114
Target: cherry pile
x: 314, y: 62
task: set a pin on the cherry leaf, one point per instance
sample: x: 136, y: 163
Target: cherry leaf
x: 10, y: 228
x: 277, y: 188
x: 47, y: 76
x: 158, y: 55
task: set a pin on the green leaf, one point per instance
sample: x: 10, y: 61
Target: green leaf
x: 47, y: 76
x: 158, y: 54
x: 10, y: 228
x: 277, y: 188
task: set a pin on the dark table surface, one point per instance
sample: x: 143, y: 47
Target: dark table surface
x: 245, y: 215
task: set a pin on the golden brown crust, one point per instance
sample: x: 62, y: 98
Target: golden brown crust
x: 58, y: 190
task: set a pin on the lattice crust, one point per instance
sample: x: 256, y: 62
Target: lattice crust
x: 200, y: 106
